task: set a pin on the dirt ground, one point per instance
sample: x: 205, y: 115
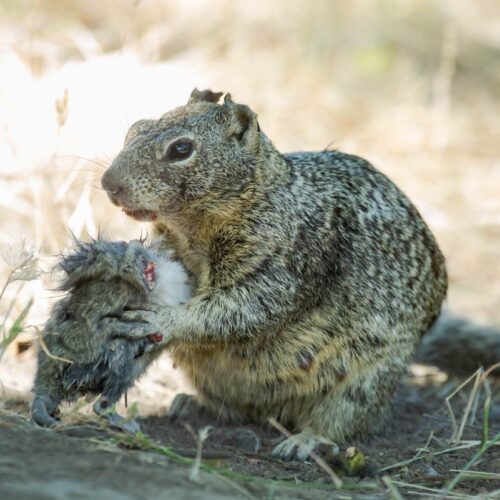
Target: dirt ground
x: 79, y: 460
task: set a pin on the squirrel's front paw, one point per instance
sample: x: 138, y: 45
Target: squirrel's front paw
x: 136, y: 325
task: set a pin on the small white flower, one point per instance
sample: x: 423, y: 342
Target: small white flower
x: 22, y: 262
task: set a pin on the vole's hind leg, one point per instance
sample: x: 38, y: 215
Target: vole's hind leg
x: 44, y: 409
x: 103, y: 408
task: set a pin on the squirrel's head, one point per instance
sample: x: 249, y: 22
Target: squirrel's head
x: 196, y: 155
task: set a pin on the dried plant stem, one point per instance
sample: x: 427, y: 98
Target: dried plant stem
x: 199, y: 438
x: 430, y: 491
x: 15, y: 329
x: 11, y: 306
x: 45, y: 349
x: 471, y: 462
x: 6, y: 284
x: 486, y: 413
x: 418, y: 456
x: 393, y: 490
x: 458, y: 431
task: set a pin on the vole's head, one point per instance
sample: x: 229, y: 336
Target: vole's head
x: 103, y: 261
x: 194, y: 155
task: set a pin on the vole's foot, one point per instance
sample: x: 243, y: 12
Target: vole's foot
x: 121, y: 423
x: 185, y: 407
x: 299, y: 446
x: 102, y: 408
x: 44, y: 411
x: 44, y: 419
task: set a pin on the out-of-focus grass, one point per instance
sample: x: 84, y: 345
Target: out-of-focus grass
x: 413, y: 85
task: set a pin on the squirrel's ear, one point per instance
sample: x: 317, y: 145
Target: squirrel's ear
x: 204, y: 96
x: 243, y: 124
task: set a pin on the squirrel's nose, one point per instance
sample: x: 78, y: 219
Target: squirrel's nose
x: 111, y: 183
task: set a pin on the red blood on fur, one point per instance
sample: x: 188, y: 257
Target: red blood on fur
x: 155, y: 337
x: 150, y: 271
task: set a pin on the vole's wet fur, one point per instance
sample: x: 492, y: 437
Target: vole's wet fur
x: 102, y: 279
x: 315, y: 276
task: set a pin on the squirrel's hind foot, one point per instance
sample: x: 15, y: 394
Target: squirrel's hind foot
x: 300, y: 446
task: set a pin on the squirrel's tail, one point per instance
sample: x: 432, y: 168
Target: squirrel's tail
x: 458, y: 346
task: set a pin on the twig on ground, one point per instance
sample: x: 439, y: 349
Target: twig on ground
x: 199, y: 437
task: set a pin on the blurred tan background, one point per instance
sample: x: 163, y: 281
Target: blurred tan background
x: 412, y: 85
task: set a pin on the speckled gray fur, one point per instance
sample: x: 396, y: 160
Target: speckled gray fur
x: 314, y: 276
x: 102, y: 279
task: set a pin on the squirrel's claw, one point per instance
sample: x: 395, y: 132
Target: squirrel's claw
x: 300, y: 446
x: 125, y: 328
x: 139, y: 316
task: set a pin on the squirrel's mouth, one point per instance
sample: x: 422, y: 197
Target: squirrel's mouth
x: 141, y: 215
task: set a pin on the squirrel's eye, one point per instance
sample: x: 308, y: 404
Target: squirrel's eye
x: 180, y: 150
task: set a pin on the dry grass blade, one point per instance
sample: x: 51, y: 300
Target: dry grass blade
x: 335, y: 479
x: 458, y: 430
x: 486, y: 413
x: 199, y: 437
x: 418, y: 456
x: 45, y: 349
x: 11, y: 307
x: 464, y: 446
x: 429, y: 491
x: 461, y: 475
x: 476, y: 474
x: 485, y: 443
x: 394, y: 493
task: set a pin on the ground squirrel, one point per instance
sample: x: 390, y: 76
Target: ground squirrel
x: 102, y: 279
x: 314, y: 276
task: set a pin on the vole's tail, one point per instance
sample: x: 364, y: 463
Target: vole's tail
x: 459, y: 346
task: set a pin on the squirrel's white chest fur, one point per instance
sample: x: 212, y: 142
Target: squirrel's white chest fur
x: 172, y: 283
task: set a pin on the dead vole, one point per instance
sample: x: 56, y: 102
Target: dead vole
x: 102, y: 279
